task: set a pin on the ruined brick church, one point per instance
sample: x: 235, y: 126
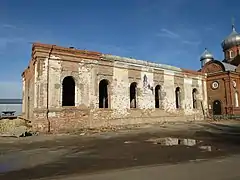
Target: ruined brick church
x: 67, y: 88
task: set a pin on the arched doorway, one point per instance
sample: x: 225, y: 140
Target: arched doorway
x: 217, y: 108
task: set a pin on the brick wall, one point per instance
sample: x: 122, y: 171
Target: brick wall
x: 88, y: 69
x: 225, y: 92
x: 28, y: 79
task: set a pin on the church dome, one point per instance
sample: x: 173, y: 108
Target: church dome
x: 232, y: 40
x: 206, y: 55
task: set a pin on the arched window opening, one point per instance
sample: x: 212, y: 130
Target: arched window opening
x: 217, y: 107
x: 177, y: 95
x: 157, y: 96
x: 236, y: 99
x: 133, y: 95
x: 231, y: 54
x: 68, y: 91
x: 194, y: 98
x: 103, y: 93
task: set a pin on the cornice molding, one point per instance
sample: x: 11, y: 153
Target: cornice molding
x: 47, y: 47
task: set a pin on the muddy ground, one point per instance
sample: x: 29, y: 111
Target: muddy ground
x: 51, y: 156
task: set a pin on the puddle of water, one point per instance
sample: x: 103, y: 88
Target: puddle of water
x: 129, y: 142
x: 173, y: 141
x: 168, y: 141
x: 9, y: 166
x: 197, y: 160
x: 206, y: 148
x: 78, y: 154
x: 4, y: 168
x: 188, y: 142
x: 164, y: 141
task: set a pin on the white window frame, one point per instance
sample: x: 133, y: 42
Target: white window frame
x: 231, y: 54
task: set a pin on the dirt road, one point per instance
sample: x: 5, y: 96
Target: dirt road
x: 70, y: 155
x: 217, y: 169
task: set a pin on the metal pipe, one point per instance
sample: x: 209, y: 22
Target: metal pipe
x: 49, y: 123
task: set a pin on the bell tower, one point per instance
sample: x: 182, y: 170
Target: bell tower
x: 231, y: 45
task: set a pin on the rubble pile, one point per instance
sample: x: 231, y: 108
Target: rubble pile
x: 17, y: 127
x: 103, y: 129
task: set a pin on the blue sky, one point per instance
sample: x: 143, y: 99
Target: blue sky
x: 170, y: 32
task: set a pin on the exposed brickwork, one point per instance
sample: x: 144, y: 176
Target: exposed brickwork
x: 88, y: 69
x: 225, y: 92
x: 69, y: 120
x: 235, y: 52
x: 191, y: 72
x: 212, y: 67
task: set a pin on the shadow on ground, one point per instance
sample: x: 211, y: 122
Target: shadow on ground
x: 220, y: 133
x: 88, y: 155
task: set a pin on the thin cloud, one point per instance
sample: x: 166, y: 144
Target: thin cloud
x: 10, y: 37
x: 183, y: 37
x: 167, y: 33
x: 5, y: 41
x: 10, y: 26
x: 196, y: 43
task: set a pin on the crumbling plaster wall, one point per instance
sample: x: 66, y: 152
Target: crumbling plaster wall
x: 120, y: 90
x: 88, y: 76
x: 188, y: 99
x: 41, y: 83
x: 28, y: 79
x: 169, y: 80
x: 120, y: 73
x: 169, y: 99
x: 84, y: 75
x: 23, y: 95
